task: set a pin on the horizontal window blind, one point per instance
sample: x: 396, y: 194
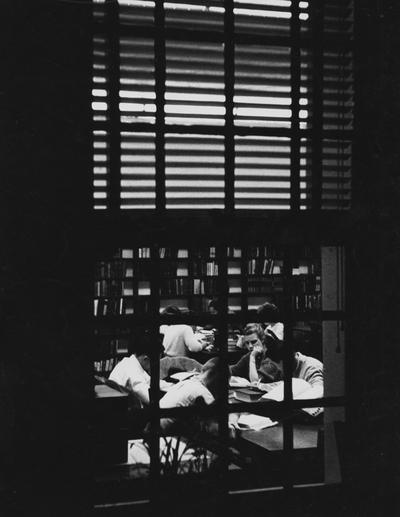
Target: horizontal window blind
x: 246, y: 104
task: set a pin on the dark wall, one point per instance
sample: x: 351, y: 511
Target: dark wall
x: 45, y: 260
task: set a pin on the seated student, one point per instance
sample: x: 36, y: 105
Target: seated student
x: 304, y: 367
x: 134, y: 372
x: 256, y: 365
x: 180, y: 340
x: 269, y: 312
x: 270, y: 324
x: 201, y: 387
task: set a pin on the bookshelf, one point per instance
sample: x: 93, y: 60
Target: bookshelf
x: 188, y: 277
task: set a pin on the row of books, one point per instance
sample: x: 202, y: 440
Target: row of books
x: 189, y: 286
x: 264, y: 285
x: 207, y: 252
x: 113, y: 306
x: 113, y: 288
x: 266, y: 266
x: 173, y: 253
x: 262, y: 252
x: 307, y: 302
x: 307, y: 284
x: 144, y: 252
x: 105, y: 366
x: 205, y: 268
x: 172, y: 269
x: 111, y: 269
x: 232, y: 252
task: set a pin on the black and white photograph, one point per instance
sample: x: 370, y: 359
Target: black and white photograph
x: 200, y: 258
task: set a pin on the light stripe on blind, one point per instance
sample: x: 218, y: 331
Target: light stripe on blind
x: 195, y: 15
x: 268, y: 17
x: 138, y: 183
x: 262, y: 172
x: 262, y: 86
x: 194, y: 171
x: 338, y: 18
x: 337, y: 94
x: 195, y: 83
x: 137, y: 82
x: 336, y: 174
x: 100, y: 87
x: 101, y: 169
x: 136, y: 12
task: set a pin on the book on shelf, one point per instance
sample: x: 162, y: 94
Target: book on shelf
x: 234, y: 268
x: 127, y: 253
x: 144, y: 252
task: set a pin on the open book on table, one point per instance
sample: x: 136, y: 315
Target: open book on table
x: 301, y: 389
x: 249, y: 421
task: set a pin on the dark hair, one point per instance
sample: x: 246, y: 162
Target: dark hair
x: 254, y: 328
x: 214, y: 304
x: 144, y: 342
x: 301, y: 337
x: 214, y: 367
x: 171, y: 310
x: 269, y: 311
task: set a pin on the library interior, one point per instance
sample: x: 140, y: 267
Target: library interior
x: 200, y: 258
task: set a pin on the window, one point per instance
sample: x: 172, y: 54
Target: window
x: 295, y: 439
x: 222, y: 105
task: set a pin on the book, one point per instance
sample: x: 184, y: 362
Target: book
x: 249, y: 394
x: 301, y: 389
x: 249, y: 421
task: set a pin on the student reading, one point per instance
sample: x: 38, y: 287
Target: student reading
x: 263, y: 362
x: 180, y: 340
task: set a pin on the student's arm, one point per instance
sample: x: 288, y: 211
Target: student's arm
x: 193, y: 344
x: 141, y: 389
x: 241, y: 368
x: 252, y: 374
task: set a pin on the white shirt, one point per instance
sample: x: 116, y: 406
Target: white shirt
x: 185, y: 393
x: 180, y: 339
x: 130, y: 374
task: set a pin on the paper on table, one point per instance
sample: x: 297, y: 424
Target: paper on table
x: 238, y: 382
x: 180, y: 376
x: 299, y: 386
x: 254, y: 422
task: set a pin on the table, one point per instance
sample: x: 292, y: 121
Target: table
x: 271, y: 438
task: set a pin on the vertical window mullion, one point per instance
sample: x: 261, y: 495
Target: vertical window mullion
x: 295, y: 75
x: 287, y: 369
x: 317, y: 86
x: 154, y: 378
x: 223, y: 387
x: 160, y: 78
x: 115, y: 122
x: 229, y: 77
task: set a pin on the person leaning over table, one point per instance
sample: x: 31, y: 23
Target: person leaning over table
x: 256, y: 366
x: 201, y: 387
x: 133, y: 372
x: 180, y: 340
x: 304, y: 367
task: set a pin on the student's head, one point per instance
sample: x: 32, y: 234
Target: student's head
x: 211, y: 372
x: 171, y: 310
x: 269, y: 312
x: 143, y: 345
x: 253, y: 335
x: 214, y: 306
